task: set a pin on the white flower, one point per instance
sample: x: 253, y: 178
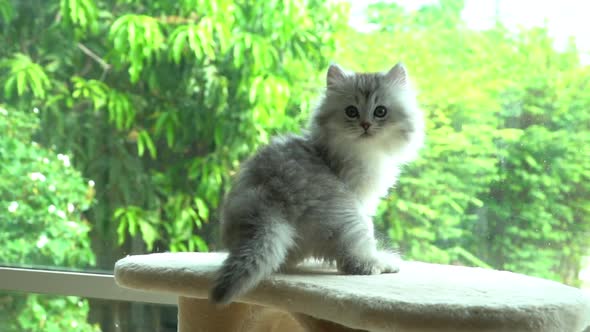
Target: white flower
x: 45, y: 161
x: 91, y: 183
x: 71, y: 207
x: 12, y: 207
x: 36, y: 110
x: 43, y: 240
x: 51, y: 208
x: 65, y: 159
x: 74, y: 324
x: 36, y: 176
x: 72, y: 224
x: 61, y: 214
x: 3, y: 111
x: 51, y: 188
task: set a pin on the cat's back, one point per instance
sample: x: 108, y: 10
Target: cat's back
x: 287, y: 175
x: 286, y: 156
x: 289, y: 169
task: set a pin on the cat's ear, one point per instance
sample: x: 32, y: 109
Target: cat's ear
x: 335, y: 75
x: 398, y: 75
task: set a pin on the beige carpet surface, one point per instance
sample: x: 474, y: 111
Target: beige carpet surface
x: 421, y: 297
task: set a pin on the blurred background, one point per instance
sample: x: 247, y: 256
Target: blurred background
x: 123, y: 121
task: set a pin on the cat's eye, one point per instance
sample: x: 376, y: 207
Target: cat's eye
x: 352, y: 112
x: 380, y: 111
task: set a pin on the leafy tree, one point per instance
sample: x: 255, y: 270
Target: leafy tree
x: 159, y: 101
x: 503, y: 179
x: 41, y: 202
x: 536, y: 212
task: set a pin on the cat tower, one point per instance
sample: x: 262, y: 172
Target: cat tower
x: 421, y: 297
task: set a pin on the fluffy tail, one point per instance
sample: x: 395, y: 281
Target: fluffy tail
x: 254, y: 259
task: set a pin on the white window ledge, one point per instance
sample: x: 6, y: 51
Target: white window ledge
x: 65, y: 283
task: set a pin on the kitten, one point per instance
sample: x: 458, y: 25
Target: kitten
x: 314, y: 195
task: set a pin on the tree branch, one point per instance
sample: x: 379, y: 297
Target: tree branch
x: 103, y: 64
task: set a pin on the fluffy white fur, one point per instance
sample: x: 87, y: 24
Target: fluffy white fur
x: 314, y: 195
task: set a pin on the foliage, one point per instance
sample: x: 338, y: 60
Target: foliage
x: 44, y: 314
x: 503, y: 180
x: 160, y: 105
x: 160, y: 101
x: 41, y: 199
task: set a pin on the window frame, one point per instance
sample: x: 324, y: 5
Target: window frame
x: 70, y: 283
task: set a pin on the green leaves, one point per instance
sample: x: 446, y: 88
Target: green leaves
x: 23, y: 75
x: 166, y: 125
x: 45, y: 313
x: 497, y: 184
x: 196, y: 86
x: 6, y: 11
x: 157, y: 109
x: 178, y: 43
x: 138, y: 40
x: 135, y: 221
x: 145, y: 141
x: 81, y: 13
x: 93, y: 90
x: 209, y: 82
x: 121, y: 110
x: 198, y: 38
x: 184, y: 91
x: 41, y: 199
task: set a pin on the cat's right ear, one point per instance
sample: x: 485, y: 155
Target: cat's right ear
x: 335, y: 75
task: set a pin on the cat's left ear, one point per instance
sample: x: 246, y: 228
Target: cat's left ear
x: 398, y: 75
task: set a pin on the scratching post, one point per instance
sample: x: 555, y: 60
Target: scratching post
x: 421, y: 297
x: 199, y: 315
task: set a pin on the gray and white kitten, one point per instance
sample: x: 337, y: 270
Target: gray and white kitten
x: 314, y: 195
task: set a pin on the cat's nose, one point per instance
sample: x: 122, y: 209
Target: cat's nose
x: 365, y: 125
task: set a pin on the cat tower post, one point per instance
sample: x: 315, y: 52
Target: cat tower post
x: 421, y: 297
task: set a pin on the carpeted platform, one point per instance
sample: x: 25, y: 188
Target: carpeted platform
x: 421, y: 297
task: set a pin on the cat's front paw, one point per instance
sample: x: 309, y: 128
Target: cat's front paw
x: 388, y: 267
x: 388, y: 263
x: 374, y: 265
